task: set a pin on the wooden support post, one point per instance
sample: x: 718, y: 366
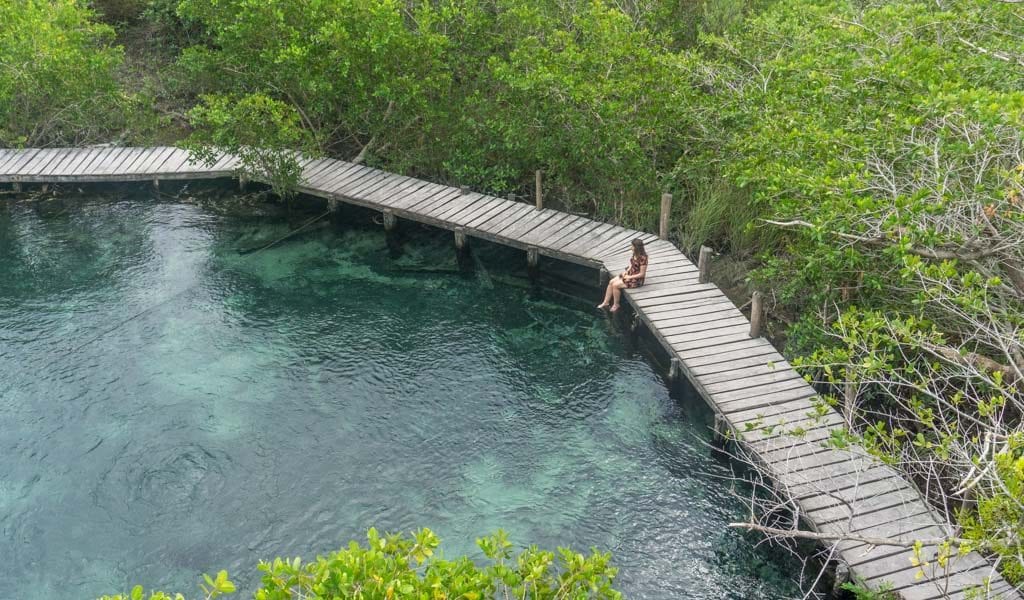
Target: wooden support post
x: 332, y: 204
x: 603, y: 277
x: 849, y: 401
x: 539, y: 193
x: 666, y: 210
x: 841, y: 576
x: 242, y: 182
x: 463, y: 189
x: 45, y: 188
x: 461, y: 241
x: 721, y: 433
x: 675, y: 370
x: 156, y: 184
x: 756, y: 315
x: 704, y: 265
x: 532, y: 257
x: 17, y: 187
x: 390, y: 220
x: 511, y: 196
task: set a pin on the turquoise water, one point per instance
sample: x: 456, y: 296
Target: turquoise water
x: 281, y: 402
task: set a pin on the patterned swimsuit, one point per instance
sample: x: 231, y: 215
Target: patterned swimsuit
x: 635, y: 264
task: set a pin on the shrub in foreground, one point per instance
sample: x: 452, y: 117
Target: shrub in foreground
x: 398, y: 566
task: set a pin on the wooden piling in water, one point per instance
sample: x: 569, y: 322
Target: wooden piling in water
x: 461, y: 241
x: 675, y: 370
x: 390, y: 220
x: 532, y: 257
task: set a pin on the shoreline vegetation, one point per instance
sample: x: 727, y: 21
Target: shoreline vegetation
x: 864, y: 158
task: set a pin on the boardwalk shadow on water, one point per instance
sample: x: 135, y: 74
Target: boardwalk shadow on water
x: 284, y: 400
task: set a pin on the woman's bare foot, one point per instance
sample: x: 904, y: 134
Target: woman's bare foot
x: 603, y: 305
x: 615, y: 307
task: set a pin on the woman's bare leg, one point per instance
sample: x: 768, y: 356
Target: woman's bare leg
x: 616, y: 294
x: 608, y: 293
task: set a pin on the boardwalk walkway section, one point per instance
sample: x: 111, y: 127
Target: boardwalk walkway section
x: 774, y: 414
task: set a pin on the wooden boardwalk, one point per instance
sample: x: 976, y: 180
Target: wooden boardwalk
x: 767, y: 406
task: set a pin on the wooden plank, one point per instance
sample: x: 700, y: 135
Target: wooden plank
x: 111, y: 160
x: 22, y: 159
x: 84, y: 157
x: 389, y: 195
x: 575, y: 232
x: 396, y: 196
x: 333, y: 182
x: 517, y: 211
x: 685, y: 343
x: 365, y: 191
x: 693, y: 297
x: 521, y: 229
x: 40, y: 161
x: 168, y: 164
x: 763, y: 351
x: 752, y: 366
x: 25, y: 158
x: 729, y: 367
x: 314, y: 169
x: 461, y: 203
x: 593, y: 238
x: 407, y: 198
x: 7, y: 156
x: 85, y: 167
x: 618, y: 238
x: 153, y: 165
x: 332, y: 171
x: 544, y: 237
x: 698, y: 325
x: 829, y: 471
x: 130, y: 163
x: 103, y: 167
x: 752, y: 380
x: 54, y: 167
x: 422, y: 201
x: 353, y: 188
x: 436, y: 202
x: 771, y: 399
x: 36, y: 163
x: 341, y: 184
x: 176, y: 163
x: 480, y: 206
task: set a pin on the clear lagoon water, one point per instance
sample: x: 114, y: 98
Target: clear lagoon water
x: 281, y: 402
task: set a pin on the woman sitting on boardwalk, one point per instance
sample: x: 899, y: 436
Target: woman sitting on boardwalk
x: 633, y: 277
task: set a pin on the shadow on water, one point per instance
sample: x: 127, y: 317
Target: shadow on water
x: 292, y: 396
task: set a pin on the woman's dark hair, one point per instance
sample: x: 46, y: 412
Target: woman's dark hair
x: 638, y: 247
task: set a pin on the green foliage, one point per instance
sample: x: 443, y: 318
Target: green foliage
x: 398, y: 566
x: 862, y: 592
x: 262, y: 132
x: 997, y: 523
x: 58, y: 81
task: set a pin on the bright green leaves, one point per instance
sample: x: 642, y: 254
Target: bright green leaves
x: 395, y: 566
x: 999, y: 519
x: 217, y: 586
x: 261, y: 131
x: 58, y: 76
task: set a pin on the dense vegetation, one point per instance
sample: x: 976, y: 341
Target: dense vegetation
x: 868, y: 153
x: 398, y: 566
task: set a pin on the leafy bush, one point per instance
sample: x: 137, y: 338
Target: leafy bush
x: 397, y: 566
x: 58, y: 70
